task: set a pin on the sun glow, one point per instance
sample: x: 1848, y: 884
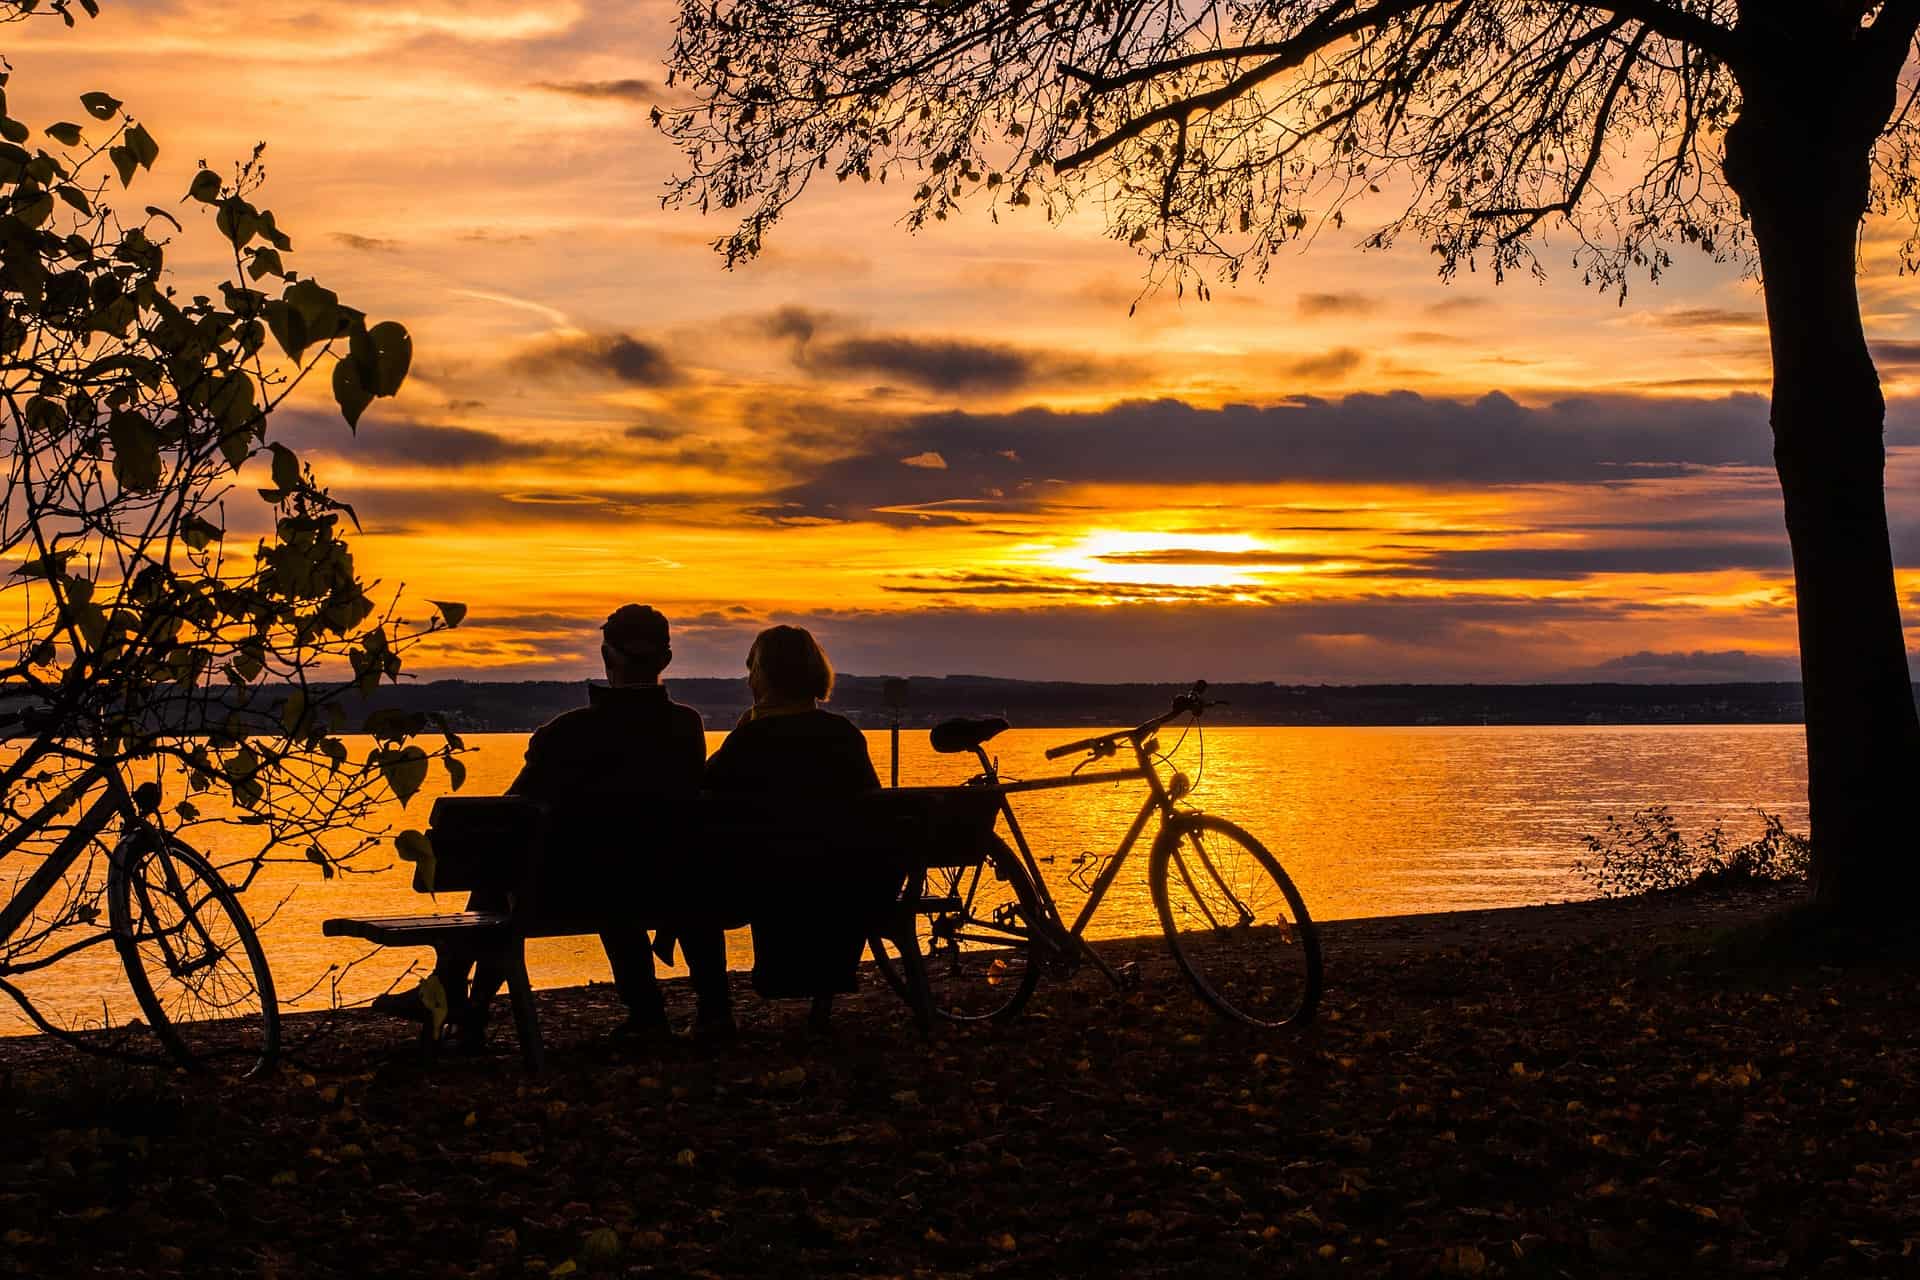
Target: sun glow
x: 1147, y: 558
x: 959, y: 450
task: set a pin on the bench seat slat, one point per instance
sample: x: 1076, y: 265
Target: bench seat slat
x: 392, y: 930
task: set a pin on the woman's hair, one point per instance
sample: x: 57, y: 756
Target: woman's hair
x: 792, y: 663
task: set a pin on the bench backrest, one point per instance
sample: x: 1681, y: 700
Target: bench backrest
x: 931, y: 826
x: 484, y: 843
x: 495, y: 843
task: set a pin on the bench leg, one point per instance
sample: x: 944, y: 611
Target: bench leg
x: 526, y: 1022
x: 906, y: 941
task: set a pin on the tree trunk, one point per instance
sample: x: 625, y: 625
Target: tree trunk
x: 1805, y: 183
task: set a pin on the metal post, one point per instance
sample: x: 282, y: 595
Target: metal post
x: 894, y: 694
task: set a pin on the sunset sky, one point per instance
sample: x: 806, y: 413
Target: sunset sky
x: 956, y: 451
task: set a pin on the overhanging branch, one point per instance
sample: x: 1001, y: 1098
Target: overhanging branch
x: 1532, y: 217
x: 1340, y: 21
x: 1284, y: 56
x: 1663, y: 19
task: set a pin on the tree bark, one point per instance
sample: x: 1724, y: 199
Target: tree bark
x: 1804, y: 180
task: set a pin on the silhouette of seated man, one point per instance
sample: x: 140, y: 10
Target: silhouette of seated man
x: 614, y: 775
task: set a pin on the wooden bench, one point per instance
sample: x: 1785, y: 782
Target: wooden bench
x: 736, y: 860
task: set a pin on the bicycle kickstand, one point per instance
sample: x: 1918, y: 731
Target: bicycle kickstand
x: 1125, y: 978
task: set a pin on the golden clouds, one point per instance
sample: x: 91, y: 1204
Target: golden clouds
x: 957, y: 442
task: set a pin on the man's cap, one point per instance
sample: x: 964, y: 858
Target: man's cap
x: 636, y: 629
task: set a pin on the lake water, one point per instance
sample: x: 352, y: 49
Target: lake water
x: 1368, y: 821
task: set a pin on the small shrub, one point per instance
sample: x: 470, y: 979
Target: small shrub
x: 1648, y: 853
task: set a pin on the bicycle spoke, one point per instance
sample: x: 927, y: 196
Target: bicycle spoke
x: 1235, y: 924
x: 192, y: 957
x: 980, y: 958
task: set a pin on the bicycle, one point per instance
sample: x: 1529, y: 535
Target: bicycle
x: 1235, y: 924
x: 191, y: 955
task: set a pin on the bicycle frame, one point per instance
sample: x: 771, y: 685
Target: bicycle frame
x: 90, y: 824
x: 1071, y: 939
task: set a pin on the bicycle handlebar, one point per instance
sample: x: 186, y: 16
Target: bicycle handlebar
x: 1193, y: 701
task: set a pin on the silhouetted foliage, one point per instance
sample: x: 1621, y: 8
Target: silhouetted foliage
x: 1218, y: 133
x: 1648, y: 853
x: 1211, y: 135
x: 178, y: 599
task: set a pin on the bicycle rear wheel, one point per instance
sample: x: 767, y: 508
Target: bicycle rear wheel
x: 1236, y: 925
x: 191, y: 956
x: 975, y: 930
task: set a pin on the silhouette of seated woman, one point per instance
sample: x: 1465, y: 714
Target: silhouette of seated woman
x: 613, y: 775
x: 788, y: 748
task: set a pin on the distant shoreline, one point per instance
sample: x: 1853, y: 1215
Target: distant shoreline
x: 518, y: 706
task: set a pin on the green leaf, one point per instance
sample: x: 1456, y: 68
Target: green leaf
x: 13, y: 130
x: 392, y: 356
x: 187, y: 810
x: 100, y: 106
x: 116, y: 316
x: 456, y: 770
x: 452, y: 611
x: 264, y: 262
x: 75, y: 197
x: 232, y: 401
x: 335, y: 751
x: 48, y: 566
x: 45, y: 414
x: 273, y: 234
x: 144, y: 148
x: 66, y: 133
x: 205, y: 187
x: 318, y: 856
x: 198, y: 532
x: 36, y: 210
x: 237, y: 221
x: 405, y: 769
x: 319, y: 308
x: 136, y: 451
x: 414, y: 846
x: 286, y: 468
x: 294, y: 712
x: 236, y: 446
x: 348, y: 393
x: 289, y: 330
x: 123, y: 164
x: 390, y: 724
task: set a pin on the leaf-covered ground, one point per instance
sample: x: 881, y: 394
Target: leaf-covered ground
x: 1556, y: 1091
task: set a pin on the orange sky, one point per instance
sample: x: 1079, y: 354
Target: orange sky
x: 956, y: 451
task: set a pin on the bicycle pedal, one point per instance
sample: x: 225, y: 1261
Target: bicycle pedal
x: 1129, y: 975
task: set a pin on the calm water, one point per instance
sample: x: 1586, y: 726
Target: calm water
x: 1368, y: 821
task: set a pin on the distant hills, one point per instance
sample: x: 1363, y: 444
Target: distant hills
x: 485, y: 706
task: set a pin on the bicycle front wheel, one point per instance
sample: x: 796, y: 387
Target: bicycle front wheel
x: 1236, y: 925
x: 975, y: 930
x: 191, y: 956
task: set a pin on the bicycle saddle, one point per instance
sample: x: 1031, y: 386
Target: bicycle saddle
x: 965, y: 733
